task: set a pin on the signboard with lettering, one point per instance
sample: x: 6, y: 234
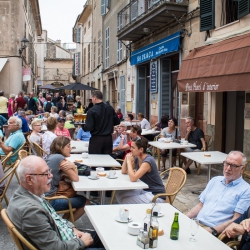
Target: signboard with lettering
x: 77, y: 69
x: 164, y: 46
x: 153, y: 77
x: 201, y: 87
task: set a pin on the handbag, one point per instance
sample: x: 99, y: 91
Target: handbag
x: 65, y: 188
x: 83, y: 170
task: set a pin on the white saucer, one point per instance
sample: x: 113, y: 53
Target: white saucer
x: 117, y: 218
x: 160, y: 214
x: 91, y: 178
x: 114, y: 177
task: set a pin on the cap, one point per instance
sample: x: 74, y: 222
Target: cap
x: 59, y: 119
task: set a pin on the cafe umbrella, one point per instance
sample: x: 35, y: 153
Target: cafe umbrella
x: 48, y: 86
x: 77, y: 86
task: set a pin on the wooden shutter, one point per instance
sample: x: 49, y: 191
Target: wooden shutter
x: 141, y: 90
x: 243, y: 8
x: 165, y: 87
x: 207, y: 15
x: 78, y: 35
x: 122, y: 95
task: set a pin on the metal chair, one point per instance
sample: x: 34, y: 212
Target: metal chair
x: 7, y: 179
x: 70, y: 210
x: 39, y: 150
x: 246, y: 170
x: 16, y: 236
x: 175, y: 182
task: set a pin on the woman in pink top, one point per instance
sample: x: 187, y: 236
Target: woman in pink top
x: 11, y: 105
x: 60, y: 130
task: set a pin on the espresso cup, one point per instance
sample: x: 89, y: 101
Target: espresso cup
x: 85, y: 155
x: 93, y: 174
x: 123, y: 213
x: 99, y: 170
x: 111, y: 173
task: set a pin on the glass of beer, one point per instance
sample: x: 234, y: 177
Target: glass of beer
x: 80, y: 117
x: 76, y: 116
x: 84, y: 117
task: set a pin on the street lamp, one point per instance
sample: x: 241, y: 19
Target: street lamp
x: 24, y: 44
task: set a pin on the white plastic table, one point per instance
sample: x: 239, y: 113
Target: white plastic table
x: 122, y: 182
x: 95, y: 160
x: 79, y: 146
x: 114, y: 235
x: 147, y: 131
x: 170, y: 146
x: 215, y: 158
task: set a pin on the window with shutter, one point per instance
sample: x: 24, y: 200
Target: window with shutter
x: 103, y: 7
x: 243, y: 8
x: 207, y: 17
x: 122, y: 95
x: 107, y: 47
x: 134, y: 11
x: 78, y: 35
x: 119, y: 51
x: 141, y: 90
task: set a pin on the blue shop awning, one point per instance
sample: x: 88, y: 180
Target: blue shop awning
x: 156, y: 49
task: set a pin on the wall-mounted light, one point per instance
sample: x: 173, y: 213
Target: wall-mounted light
x: 24, y: 44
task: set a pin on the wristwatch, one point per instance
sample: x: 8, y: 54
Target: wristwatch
x: 214, y: 232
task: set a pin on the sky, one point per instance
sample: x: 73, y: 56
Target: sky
x: 59, y: 17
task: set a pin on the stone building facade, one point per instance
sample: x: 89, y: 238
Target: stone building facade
x: 19, y: 19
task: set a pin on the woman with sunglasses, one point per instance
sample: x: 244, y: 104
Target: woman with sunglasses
x: 60, y: 166
x: 36, y: 136
x: 139, y: 165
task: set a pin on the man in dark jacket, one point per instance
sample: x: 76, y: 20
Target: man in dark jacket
x: 101, y: 119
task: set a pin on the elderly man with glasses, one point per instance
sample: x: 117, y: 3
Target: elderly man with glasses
x: 15, y: 140
x: 36, y: 219
x: 225, y: 198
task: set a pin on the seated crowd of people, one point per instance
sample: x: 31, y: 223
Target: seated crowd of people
x: 223, y: 206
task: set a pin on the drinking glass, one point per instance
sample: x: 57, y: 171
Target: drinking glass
x: 194, y: 224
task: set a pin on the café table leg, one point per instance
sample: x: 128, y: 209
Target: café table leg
x: 88, y: 195
x: 102, y: 200
x: 170, y: 158
x: 209, y: 173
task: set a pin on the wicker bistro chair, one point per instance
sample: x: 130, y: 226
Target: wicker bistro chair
x: 16, y: 236
x: 22, y: 154
x: 7, y: 179
x: 39, y: 150
x: 6, y: 159
x: 70, y: 210
x: 246, y: 170
x: 233, y: 244
x: 175, y: 182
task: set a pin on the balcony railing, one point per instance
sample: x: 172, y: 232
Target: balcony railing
x: 139, y: 8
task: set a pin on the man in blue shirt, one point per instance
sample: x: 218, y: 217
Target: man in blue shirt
x: 121, y: 136
x: 82, y: 135
x: 16, y: 138
x: 225, y: 198
x: 25, y: 126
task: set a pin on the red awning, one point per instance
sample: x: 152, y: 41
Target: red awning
x: 224, y: 66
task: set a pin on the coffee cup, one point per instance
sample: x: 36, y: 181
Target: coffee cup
x: 85, y: 155
x: 93, y: 174
x: 111, y: 173
x: 99, y: 170
x: 185, y: 142
x: 156, y: 208
x: 123, y: 213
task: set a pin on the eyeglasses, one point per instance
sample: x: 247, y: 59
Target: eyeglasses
x: 45, y: 174
x: 226, y: 164
x: 38, y: 125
